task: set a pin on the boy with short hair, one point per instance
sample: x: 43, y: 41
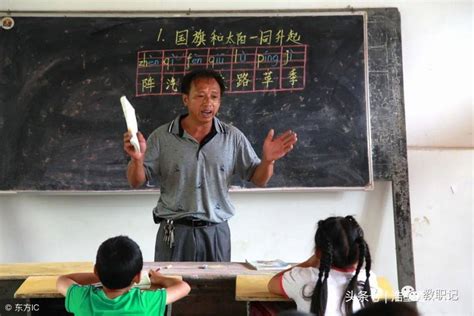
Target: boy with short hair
x: 118, y: 266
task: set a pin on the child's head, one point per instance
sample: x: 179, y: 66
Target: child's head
x: 340, y: 244
x: 118, y: 261
x: 339, y: 239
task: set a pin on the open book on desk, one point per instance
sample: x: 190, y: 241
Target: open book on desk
x: 268, y: 265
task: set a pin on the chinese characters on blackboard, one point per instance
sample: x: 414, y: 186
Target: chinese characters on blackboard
x: 277, y: 62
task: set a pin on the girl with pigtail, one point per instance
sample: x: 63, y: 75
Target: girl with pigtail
x: 331, y: 281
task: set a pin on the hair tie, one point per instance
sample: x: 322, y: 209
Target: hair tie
x: 350, y: 218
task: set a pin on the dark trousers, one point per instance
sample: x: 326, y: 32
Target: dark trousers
x: 208, y: 243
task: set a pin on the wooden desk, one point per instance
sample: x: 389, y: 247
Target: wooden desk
x: 38, y: 287
x: 254, y: 288
x: 44, y: 287
x: 212, y: 289
x: 190, y: 270
x: 21, y: 271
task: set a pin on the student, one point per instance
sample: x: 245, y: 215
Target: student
x: 327, y: 283
x: 194, y: 158
x: 118, y: 266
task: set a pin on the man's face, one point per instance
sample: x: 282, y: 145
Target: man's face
x: 203, y: 100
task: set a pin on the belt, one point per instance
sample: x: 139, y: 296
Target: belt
x: 191, y: 222
x: 168, y: 237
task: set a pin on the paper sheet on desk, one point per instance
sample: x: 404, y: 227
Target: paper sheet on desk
x: 131, y: 119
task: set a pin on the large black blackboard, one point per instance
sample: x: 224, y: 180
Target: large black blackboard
x: 61, y: 79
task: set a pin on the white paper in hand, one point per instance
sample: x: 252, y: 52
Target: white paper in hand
x: 131, y: 119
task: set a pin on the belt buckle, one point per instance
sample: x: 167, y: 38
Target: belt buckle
x: 199, y: 223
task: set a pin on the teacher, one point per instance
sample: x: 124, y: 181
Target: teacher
x: 194, y: 158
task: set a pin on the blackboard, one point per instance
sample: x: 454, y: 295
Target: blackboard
x: 61, y: 79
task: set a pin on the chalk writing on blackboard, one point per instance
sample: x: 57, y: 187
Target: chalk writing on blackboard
x: 244, y: 69
x: 199, y: 37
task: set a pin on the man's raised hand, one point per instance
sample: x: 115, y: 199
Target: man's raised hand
x: 130, y: 150
x: 278, y: 147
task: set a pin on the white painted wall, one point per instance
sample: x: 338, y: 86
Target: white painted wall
x: 437, y: 58
x: 441, y: 187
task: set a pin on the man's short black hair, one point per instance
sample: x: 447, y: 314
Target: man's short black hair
x: 200, y: 74
x: 118, y: 261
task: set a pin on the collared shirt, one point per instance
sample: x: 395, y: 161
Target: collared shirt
x: 195, y: 177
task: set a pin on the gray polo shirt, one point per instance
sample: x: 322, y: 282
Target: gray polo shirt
x: 195, y: 178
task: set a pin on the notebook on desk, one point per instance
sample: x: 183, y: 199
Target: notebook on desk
x: 269, y: 265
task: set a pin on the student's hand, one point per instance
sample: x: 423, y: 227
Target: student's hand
x: 156, y: 278
x: 175, y: 288
x: 130, y: 150
x: 276, y: 148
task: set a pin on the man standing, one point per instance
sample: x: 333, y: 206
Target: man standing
x: 194, y: 158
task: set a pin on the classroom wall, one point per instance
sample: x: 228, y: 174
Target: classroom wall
x: 437, y: 62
